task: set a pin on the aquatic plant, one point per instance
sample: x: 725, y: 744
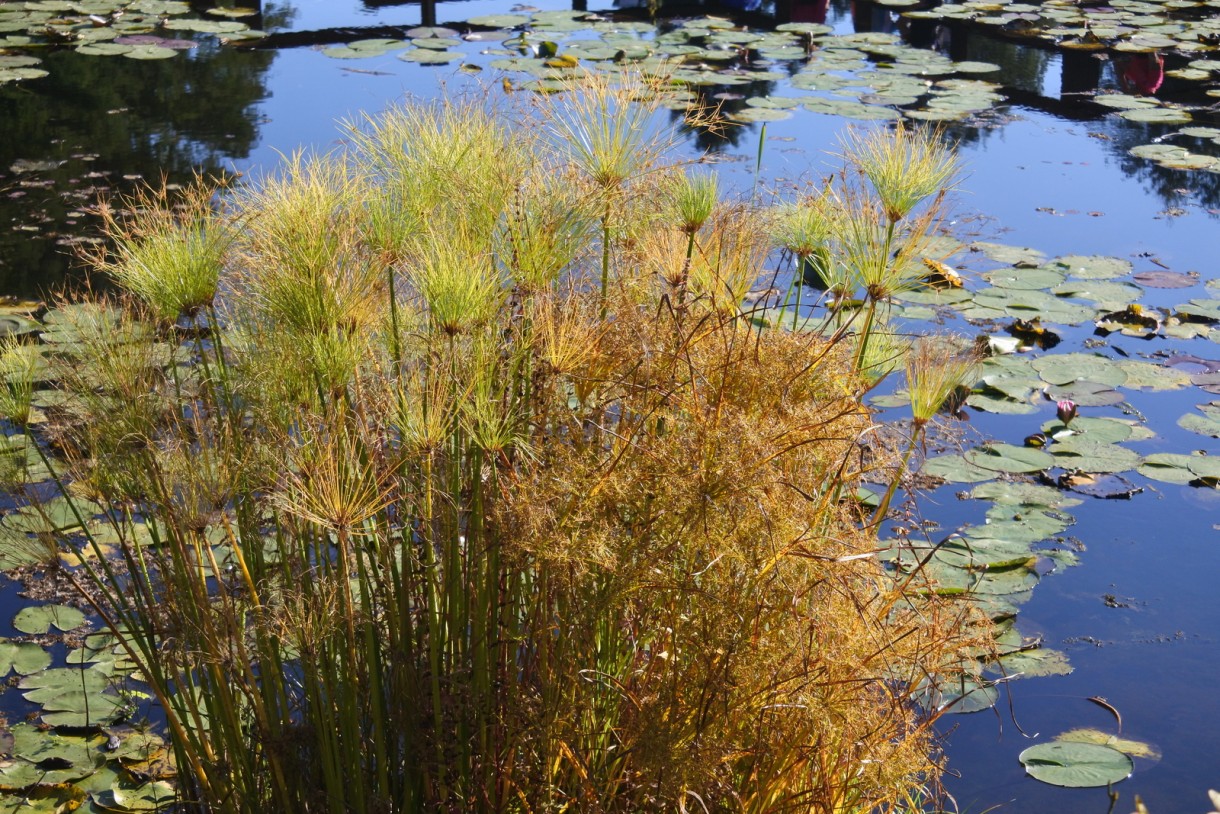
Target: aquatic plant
x: 167, y: 250
x: 434, y: 517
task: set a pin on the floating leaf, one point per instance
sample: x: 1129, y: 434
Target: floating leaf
x: 1172, y: 467
x: 1009, y: 458
x: 1093, y: 267
x: 1026, y: 278
x: 761, y: 114
x: 427, y: 56
x: 23, y: 658
x: 1098, y: 430
x: 499, y: 20
x: 1019, y: 493
x: 1012, y: 255
x: 1157, y: 115
x: 1066, y: 368
x: 1041, y: 661
x: 1095, y: 457
x: 149, y: 52
x: 1075, y: 765
x: 39, y: 619
x: 1127, y: 746
x: 955, y: 469
x: 1086, y: 394
x: 1147, y: 376
x: 1165, y: 279
x: 957, y: 695
x: 1207, y: 424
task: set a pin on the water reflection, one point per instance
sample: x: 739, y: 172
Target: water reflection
x: 96, y: 124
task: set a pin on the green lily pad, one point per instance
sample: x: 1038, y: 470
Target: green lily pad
x: 1025, y: 525
x: 1148, y: 376
x: 1065, y: 368
x: 1157, y: 115
x: 1207, y: 424
x: 49, y: 757
x: 958, y: 696
x: 955, y: 469
x: 1202, y: 308
x: 1041, y: 661
x: 428, y: 56
x: 761, y: 114
x: 1099, y: 430
x: 1025, y: 494
x: 1011, y: 255
x: 1035, y: 279
x: 1009, y: 458
x: 1093, y: 267
x: 154, y: 796
x: 499, y: 20
x: 998, y: 404
x: 1075, y: 765
x: 1172, y: 467
x: 149, y: 52
x: 39, y: 619
x: 1094, y: 457
x: 73, y: 697
x: 1086, y: 394
x: 23, y: 658
x: 1100, y: 291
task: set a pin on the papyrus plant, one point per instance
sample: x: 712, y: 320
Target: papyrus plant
x: 441, y: 516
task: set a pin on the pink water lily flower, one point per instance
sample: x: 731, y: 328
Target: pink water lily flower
x: 1066, y: 411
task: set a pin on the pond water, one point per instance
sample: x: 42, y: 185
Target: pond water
x: 1047, y: 168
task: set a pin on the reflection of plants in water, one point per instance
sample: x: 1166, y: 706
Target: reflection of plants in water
x: 545, y: 539
x: 1167, y: 184
x: 94, y: 120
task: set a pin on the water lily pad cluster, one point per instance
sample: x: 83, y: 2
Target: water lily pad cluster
x: 860, y: 76
x: 1125, y: 26
x: 995, y: 565
x: 143, y: 29
x: 1097, y: 446
x: 82, y: 753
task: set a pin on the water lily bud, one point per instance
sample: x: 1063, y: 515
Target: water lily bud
x: 1066, y: 411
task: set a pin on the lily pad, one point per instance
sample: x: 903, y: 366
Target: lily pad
x: 1041, y: 661
x: 955, y: 469
x: 1025, y: 494
x: 1165, y: 279
x: 1093, y: 267
x: 23, y: 658
x: 1206, y: 424
x: 957, y: 695
x: 1157, y: 115
x: 1172, y: 467
x: 1134, y: 748
x: 1012, y: 255
x: 1009, y: 458
x: 1086, y: 394
x: 39, y: 619
x: 1095, y: 457
x: 1065, y: 368
x: 499, y: 20
x: 1147, y: 376
x: 1075, y: 765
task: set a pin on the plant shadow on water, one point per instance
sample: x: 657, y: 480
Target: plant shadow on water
x: 1049, y: 170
